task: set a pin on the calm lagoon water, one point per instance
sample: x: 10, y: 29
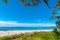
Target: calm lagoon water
x: 26, y: 28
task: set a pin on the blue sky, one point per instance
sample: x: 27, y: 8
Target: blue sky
x: 17, y: 14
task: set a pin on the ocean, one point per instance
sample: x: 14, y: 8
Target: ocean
x: 25, y: 28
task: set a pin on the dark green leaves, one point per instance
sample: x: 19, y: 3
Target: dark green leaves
x: 54, y: 12
x: 58, y: 3
x: 30, y: 3
x: 5, y: 1
x: 34, y: 2
x: 46, y: 2
x: 24, y: 2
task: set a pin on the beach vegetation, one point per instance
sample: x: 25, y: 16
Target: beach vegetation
x: 42, y: 35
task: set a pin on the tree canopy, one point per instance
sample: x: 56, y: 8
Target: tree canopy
x: 37, y: 2
x: 33, y: 2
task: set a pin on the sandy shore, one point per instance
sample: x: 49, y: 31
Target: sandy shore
x: 12, y: 32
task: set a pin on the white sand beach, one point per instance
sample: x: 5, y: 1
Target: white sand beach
x: 13, y: 32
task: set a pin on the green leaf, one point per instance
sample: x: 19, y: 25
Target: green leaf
x: 46, y: 2
x: 5, y: 1
x: 58, y: 3
x: 24, y: 2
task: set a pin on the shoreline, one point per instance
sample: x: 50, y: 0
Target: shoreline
x: 13, y: 32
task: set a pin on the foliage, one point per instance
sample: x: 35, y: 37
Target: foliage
x: 34, y: 2
x: 42, y: 35
x: 5, y: 38
x: 5, y: 1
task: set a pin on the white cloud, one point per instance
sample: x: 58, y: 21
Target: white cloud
x: 16, y: 24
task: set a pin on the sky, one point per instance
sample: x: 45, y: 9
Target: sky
x: 16, y: 14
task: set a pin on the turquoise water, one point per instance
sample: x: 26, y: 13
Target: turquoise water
x: 26, y: 28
